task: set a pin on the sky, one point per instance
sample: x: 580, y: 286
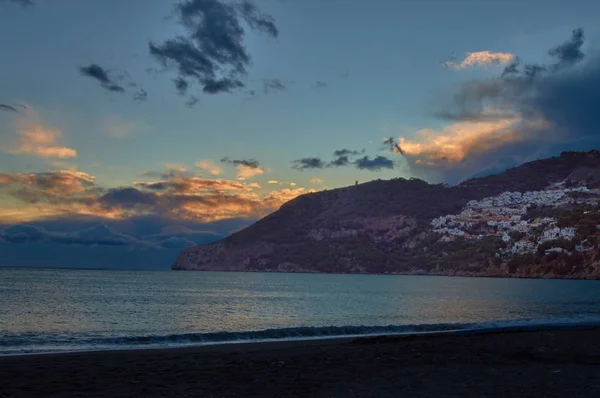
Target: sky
x: 130, y: 130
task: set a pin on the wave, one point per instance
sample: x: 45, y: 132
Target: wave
x: 44, y: 343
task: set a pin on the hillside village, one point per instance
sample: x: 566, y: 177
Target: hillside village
x: 505, y: 216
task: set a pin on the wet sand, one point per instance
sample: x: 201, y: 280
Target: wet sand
x: 527, y: 364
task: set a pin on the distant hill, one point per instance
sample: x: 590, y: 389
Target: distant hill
x: 535, y: 220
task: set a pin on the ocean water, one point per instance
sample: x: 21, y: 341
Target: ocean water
x: 48, y: 310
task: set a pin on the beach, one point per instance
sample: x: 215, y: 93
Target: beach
x: 531, y: 364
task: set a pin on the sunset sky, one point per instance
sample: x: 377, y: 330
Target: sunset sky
x: 132, y: 129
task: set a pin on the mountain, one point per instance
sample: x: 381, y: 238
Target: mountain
x: 536, y: 220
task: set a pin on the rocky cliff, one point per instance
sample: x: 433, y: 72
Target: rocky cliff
x: 540, y: 219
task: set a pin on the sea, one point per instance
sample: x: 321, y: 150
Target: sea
x: 57, y: 310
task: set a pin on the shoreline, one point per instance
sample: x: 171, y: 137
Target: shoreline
x: 170, y: 269
x: 519, y: 326
x: 514, y: 363
x: 544, y: 276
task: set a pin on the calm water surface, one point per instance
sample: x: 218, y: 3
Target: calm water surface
x: 50, y: 310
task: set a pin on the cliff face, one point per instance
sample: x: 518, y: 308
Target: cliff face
x: 537, y: 220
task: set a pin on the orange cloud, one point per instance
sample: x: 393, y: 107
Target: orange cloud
x: 459, y: 140
x: 31, y: 196
x: 245, y: 172
x: 210, y: 167
x: 481, y: 58
x: 35, y: 139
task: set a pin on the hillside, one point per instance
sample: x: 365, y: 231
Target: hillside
x: 535, y: 220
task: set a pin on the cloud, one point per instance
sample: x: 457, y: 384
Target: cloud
x: 393, y: 145
x: 526, y: 112
x: 569, y: 52
x: 273, y: 86
x: 308, y: 163
x: 347, y: 152
x: 5, y: 107
x: 345, y: 75
x: 62, y: 193
x: 316, y: 180
x: 458, y: 142
x: 272, y: 182
x: 246, y: 172
x: 212, y: 53
x: 342, y: 158
x: 175, y: 167
x: 374, y: 164
x: 247, y: 168
x: 209, y: 166
x: 480, y: 58
x: 192, y: 101
x: 37, y: 140
x: 140, y: 96
x: 320, y: 84
x: 250, y: 163
x: 100, y: 74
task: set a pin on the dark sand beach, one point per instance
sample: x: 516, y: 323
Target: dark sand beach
x: 528, y: 364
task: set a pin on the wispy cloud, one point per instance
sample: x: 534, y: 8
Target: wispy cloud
x: 10, y: 108
x: 210, y: 167
x: 101, y: 75
x: 480, y: 58
x: 40, y: 141
x: 140, y: 96
x: 273, y: 86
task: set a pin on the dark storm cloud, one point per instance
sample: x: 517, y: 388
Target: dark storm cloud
x: 98, y: 73
x: 374, y: 164
x: 273, y: 86
x: 212, y: 53
x: 308, y: 163
x: 5, y: 107
x: 540, y: 110
x: 251, y: 163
